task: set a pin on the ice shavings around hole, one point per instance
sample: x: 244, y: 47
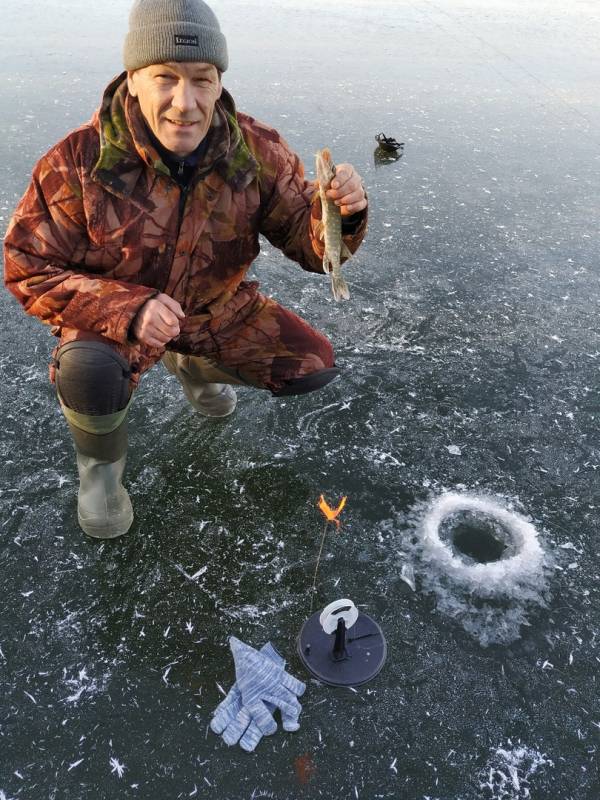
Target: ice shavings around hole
x: 454, y: 449
x: 493, y: 600
x: 407, y: 574
x: 508, y: 771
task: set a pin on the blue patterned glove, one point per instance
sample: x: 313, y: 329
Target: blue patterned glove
x: 232, y: 722
x: 261, y: 681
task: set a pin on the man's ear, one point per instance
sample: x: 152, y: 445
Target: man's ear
x: 131, y: 83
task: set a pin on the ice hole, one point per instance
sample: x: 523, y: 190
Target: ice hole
x: 477, y: 537
x: 483, y: 562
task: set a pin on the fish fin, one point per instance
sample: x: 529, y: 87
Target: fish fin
x: 345, y: 251
x: 327, y: 265
x: 319, y: 228
x: 339, y: 287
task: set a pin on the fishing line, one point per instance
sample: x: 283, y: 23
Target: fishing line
x: 314, y: 586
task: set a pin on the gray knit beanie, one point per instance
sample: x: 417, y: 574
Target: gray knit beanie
x: 173, y: 30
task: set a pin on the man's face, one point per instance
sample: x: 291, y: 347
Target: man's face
x: 177, y: 101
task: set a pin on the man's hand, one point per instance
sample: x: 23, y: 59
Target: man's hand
x: 157, y: 321
x: 347, y: 190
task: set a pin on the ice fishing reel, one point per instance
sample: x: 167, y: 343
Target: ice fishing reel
x: 341, y: 646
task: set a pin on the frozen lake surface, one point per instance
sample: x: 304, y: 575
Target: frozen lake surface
x: 470, y: 354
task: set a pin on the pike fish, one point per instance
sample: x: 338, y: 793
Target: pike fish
x: 335, y: 249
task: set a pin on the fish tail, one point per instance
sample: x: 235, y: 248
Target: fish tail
x: 339, y: 287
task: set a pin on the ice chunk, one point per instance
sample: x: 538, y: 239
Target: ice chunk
x: 407, y: 573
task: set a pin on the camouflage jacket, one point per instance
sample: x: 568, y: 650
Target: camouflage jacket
x: 101, y: 228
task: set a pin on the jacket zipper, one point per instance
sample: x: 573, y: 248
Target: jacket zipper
x: 183, y: 193
x: 185, y: 190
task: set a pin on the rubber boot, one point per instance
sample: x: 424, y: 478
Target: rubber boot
x: 104, y: 509
x: 209, y: 398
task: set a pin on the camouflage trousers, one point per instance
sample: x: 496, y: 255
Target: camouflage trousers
x: 267, y: 346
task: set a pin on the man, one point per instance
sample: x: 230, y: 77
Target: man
x: 134, y: 237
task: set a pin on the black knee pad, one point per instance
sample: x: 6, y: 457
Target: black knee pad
x: 308, y: 383
x: 92, y: 378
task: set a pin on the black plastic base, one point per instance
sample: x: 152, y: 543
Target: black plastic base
x: 366, y: 651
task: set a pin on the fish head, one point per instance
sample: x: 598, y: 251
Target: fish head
x: 325, y: 168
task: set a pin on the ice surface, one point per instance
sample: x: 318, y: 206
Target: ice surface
x: 473, y: 325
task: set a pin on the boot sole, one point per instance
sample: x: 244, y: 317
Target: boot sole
x: 104, y: 531
x: 217, y: 413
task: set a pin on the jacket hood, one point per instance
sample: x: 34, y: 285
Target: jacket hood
x: 126, y: 149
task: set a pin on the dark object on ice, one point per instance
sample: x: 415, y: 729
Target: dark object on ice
x: 388, y: 143
x: 342, y: 646
x: 388, y: 150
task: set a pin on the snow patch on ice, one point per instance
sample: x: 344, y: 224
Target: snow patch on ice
x: 82, y: 685
x: 508, y: 771
x: 117, y: 767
